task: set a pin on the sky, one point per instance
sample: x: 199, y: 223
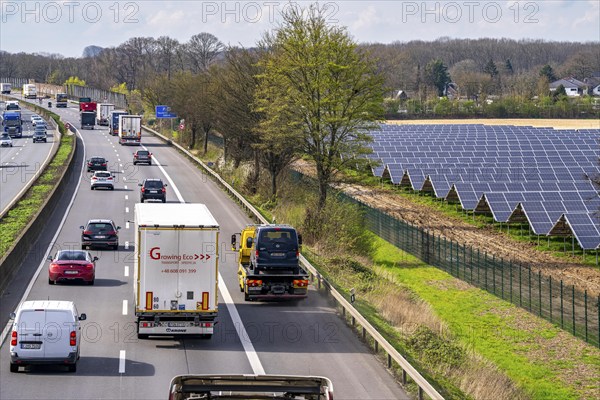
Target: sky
x: 67, y: 27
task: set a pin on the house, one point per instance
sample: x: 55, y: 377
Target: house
x: 573, y: 87
x: 593, y: 85
x: 401, y: 95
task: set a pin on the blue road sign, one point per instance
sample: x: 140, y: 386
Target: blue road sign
x: 164, y: 112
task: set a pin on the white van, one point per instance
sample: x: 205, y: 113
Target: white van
x: 45, y: 332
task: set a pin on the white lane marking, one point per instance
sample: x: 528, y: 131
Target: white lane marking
x: 122, y: 361
x: 126, y: 270
x: 126, y: 209
x: 47, y: 253
x: 124, y: 307
x: 122, y: 171
x: 120, y: 165
x: 127, y: 225
x: 237, y: 321
x: 126, y: 245
x: 125, y: 186
x: 126, y: 196
x: 233, y: 313
x: 173, y: 186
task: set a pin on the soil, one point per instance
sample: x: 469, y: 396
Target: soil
x: 568, y: 269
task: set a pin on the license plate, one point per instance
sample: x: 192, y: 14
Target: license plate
x: 278, y: 254
x: 154, y: 191
x: 31, y: 346
x: 100, y: 237
x: 71, y: 272
x: 176, y: 324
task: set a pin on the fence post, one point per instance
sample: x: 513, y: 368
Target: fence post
x: 471, y: 262
x: 540, y: 290
x: 585, y: 316
x: 562, y: 314
x: 573, y: 304
x: 494, y: 273
x: 520, y: 285
x: 529, y: 269
x: 478, y: 267
x: 550, y: 285
x: 485, y: 275
x: 451, y: 255
x: 502, y: 277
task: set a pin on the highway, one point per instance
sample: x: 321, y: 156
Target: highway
x: 20, y: 163
x: 305, y: 338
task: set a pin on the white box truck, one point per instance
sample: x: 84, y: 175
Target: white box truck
x: 130, y: 129
x: 29, y: 91
x: 175, y: 269
x: 5, y: 88
x: 103, y: 113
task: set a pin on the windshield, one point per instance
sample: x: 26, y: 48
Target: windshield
x: 71, y: 255
x: 154, y: 184
x: 98, y: 226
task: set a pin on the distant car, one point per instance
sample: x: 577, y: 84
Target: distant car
x: 97, y: 164
x: 72, y: 265
x: 5, y: 140
x: 35, y: 120
x: 100, y: 232
x: 34, y: 116
x: 142, y: 156
x: 153, y: 189
x: 102, y: 179
x: 39, y: 134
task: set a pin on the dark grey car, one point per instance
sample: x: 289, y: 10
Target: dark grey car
x: 100, y: 232
x: 142, y: 157
x: 153, y: 189
x: 39, y: 134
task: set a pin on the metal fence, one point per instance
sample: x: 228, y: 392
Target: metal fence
x: 547, y: 297
x: 99, y: 95
x: 16, y: 83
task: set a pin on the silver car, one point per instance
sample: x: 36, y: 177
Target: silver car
x: 102, y: 179
x: 5, y: 140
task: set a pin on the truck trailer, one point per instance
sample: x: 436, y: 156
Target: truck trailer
x: 269, y: 263
x: 86, y: 104
x: 113, y: 121
x: 29, y: 91
x: 130, y: 129
x: 103, y: 113
x: 5, y: 88
x: 175, y: 270
x: 61, y: 100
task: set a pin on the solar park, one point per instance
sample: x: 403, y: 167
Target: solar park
x: 517, y: 174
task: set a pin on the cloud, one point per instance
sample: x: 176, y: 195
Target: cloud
x: 366, y: 19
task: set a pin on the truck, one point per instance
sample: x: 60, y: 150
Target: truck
x: 61, y: 100
x: 87, y: 119
x: 175, y: 269
x: 269, y: 263
x: 12, y: 123
x: 5, y: 87
x: 29, y: 91
x: 113, y: 121
x: 130, y: 129
x: 86, y: 104
x: 12, y: 105
x: 224, y: 386
x: 103, y: 113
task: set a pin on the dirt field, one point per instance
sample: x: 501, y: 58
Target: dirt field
x: 570, y: 270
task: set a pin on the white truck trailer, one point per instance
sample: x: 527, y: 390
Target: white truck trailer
x: 5, y: 88
x: 103, y: 113
x: 29, y: 91
x: 130, y: 129
x: 175, y: 270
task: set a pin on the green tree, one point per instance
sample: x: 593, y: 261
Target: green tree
x: 436, y: 74
x: 491, y: 69
x: 548, y: 73
x: 508, y: 67
x: 318, y: 85
x: 73, y: 80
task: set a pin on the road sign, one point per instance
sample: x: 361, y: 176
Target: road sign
x: 181, y: 126
x: 164, y: 112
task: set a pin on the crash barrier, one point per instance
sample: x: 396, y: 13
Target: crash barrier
x: 394, y: 358
x: 13, y: 259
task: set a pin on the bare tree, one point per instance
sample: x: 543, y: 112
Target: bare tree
x: 202, y: 49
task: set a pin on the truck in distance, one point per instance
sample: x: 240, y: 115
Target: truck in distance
x: 86, y: 104
x: 103, y: 113
x: 87, y: 119
x: 175, y: 270
x: 61, y: 100
x: 269, y: 263
x: 113, y: 121
x: 29, y: 91
x: 130, y: 129
x: 5, y: 87
x: 12, y: 105
x: 187, y: 387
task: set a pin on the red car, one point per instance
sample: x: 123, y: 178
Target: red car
x: 72, y: 265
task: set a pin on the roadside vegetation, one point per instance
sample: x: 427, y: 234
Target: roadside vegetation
x: 24, y: 211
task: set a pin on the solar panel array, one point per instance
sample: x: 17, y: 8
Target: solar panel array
x: 517, y: 173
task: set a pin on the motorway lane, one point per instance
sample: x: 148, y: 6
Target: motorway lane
x: 304, y: 338
x: 20, y: 163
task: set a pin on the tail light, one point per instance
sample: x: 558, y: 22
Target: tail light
x: 111, y: 232
x: 90, y: 164
x: 87, y: 232
x: 300, y: 282
x: 164, y: 190
x: 135, y: 156
x: 94, y: 178
x: 73, y: 339
x: 104, y: 164
x: 253, y: 282
x: 89, y: 266
x: 143, y: 189
x: 256, y: 254
x: 110, y: 178
x: 13, y: 338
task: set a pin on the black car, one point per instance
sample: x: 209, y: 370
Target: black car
x: 153, y: 189
x: 100, y: 232
x: 142, y: 156
x: 97, y: 164
x: 39, y: 134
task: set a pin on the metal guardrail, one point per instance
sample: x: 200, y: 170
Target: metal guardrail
x: 357, y: 319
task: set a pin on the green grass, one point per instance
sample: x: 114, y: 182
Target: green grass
x: 23, y: 211
x: 468, y: 314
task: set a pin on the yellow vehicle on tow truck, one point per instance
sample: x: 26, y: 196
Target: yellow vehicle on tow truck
x: 269, y: 263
